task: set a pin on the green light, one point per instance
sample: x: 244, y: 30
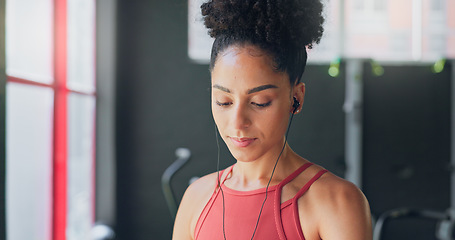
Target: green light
x: 377, y: 69
x: 438, y: 66
x: 334, y: 69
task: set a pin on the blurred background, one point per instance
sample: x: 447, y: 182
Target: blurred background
x: 96, y: 96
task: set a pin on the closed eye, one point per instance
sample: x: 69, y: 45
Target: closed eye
x: 223, y: 104
x: 262, y: 104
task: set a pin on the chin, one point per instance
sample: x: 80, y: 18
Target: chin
x: 243, y: 155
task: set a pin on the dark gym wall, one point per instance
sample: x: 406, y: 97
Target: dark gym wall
x: 160, y: 95
x: 163, y: 102
x: 407, y: 145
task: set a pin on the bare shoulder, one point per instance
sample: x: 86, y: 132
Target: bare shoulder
x: 339, y: 209
x: 202, y: 187
x: 193, y: 202
x: 333, y: 190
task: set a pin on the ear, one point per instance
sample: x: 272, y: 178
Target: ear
x: 298, y: 92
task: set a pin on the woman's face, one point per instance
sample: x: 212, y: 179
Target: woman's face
x: 251, y: 103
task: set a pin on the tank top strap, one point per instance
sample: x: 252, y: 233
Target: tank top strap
x: 211, y: 201
x: 223, y: 178
x: 295, y: 174
x: 309, y: 183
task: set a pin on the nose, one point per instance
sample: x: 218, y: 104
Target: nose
x: 240, y: 117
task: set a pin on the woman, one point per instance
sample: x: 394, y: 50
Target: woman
x: 257, y: 60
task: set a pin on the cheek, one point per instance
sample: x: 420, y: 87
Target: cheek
x: 220, y: 121
x: 217, y: 115
x: 275, y: 122
x: 213, y: 108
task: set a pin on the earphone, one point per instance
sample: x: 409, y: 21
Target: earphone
x: 295, y: 105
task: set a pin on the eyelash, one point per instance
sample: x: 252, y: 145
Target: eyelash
x: 223, y: 104
x: 261, y: 105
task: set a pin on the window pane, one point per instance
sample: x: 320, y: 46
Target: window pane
x: 436, y: 5
x: 450, y: 29
x: 330, y: 46
x: 81, y: 43
x: 199, y: 42
x: 435, y: 30
x: 359, y: 5
x: 380, y: 5
x: 81, y: 120
x: 382, y: 35
x: 29, y: 39
x: 29, y: 114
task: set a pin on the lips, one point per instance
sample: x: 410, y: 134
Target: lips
x: 242, y: 142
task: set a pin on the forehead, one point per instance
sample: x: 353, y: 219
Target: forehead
x: 246, y: 67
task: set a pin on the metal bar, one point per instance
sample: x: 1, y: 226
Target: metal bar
x: 452, y: 141
x: 106, y: 87
x: 183, y: 155
x: 353, y: 110
x: 405, y: 213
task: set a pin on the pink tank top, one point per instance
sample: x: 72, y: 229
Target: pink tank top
x: 278, y: 220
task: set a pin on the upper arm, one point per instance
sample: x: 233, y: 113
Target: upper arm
x: 182, y: 219
x: 346, y: 214
x: 194, y: 200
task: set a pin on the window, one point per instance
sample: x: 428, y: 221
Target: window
x: 50, y: 118
x: 384, y: 30
x: 436, y: 5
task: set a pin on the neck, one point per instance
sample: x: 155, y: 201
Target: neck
x: 256, y: 174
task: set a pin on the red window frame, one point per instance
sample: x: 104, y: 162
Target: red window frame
x: 60, y: 120
x: 60, y: 131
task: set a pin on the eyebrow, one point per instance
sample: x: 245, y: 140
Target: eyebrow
x: 250, y: 91
x: 261, y: 88
x: 221, y: 88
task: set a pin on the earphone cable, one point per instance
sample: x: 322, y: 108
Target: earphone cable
x: 271, y: 176
x: 268, y: 184
x: 218, y: 172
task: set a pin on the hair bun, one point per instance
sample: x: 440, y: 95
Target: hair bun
x: 279, y: 22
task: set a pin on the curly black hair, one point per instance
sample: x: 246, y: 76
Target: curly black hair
x: 282, y: 28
